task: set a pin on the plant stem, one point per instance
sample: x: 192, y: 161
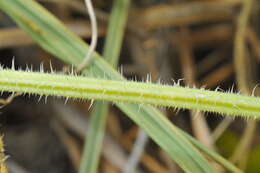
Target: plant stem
x: 129, y: 91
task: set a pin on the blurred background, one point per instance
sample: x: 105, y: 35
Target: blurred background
x: 210, y: 44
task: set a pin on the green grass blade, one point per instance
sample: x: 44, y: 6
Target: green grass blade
x: 94, y: 139
x: 55, y: 38
x: 115, y: 33
x: 225, y: 163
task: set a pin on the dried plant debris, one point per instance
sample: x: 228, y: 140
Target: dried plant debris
x: 3, y: 168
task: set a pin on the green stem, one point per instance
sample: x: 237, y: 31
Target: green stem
x: 128, y: 91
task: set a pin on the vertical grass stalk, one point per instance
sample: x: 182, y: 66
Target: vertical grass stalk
x: 114, y: 38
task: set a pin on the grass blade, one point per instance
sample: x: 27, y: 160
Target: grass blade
x: 94, y: 139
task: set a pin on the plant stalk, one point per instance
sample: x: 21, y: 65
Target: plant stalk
x: 70, y: 86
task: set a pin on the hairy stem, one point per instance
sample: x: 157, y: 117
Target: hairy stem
x: 117, y: 91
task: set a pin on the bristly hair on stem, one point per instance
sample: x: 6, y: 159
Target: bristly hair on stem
x: 70, y: 86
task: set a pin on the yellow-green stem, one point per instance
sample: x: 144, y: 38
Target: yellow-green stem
x: 128, y: 91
